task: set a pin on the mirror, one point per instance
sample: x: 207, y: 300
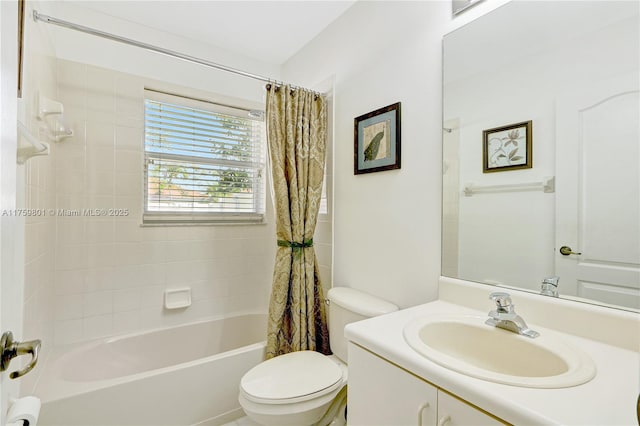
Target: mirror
x: 571, y: 69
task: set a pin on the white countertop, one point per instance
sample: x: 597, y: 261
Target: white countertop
x: 609, y: 399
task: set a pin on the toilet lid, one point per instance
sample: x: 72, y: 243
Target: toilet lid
x: 291, y: 376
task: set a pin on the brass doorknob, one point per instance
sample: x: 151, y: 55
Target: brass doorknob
x: 10, y: 349
x: 566, y: 251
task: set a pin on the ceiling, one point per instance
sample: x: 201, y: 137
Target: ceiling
x: 269, y: 31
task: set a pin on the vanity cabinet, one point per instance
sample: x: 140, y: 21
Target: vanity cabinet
x: 455, y: 412
x: 381, y: 393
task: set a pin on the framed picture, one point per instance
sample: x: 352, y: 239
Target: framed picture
x: 377, y: 140
x: 507, y: 148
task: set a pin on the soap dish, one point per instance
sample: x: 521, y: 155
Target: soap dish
x: 177, y: 298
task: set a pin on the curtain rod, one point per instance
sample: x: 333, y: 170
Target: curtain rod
x: 70, y: 25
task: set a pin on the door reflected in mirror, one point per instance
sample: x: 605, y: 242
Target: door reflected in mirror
x: 572, y: 69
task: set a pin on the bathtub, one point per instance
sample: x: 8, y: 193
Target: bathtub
x: 185, y: 375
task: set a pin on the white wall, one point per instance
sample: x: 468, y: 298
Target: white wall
x: 386, y: 224
x: 79, y: 47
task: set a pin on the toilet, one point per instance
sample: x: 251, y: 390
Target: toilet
x: 308, y: 388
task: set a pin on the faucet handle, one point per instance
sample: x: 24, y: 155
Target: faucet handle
x: 549, y: 286
x: 503, y: 301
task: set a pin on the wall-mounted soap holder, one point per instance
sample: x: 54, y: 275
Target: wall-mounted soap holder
x: 60, y: 130
x: 51, y: 112
x: 28, y: 145
x: 177, y: 298
x: 46, y: 107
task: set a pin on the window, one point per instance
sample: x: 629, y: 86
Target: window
x: 324, y: 201
x: 203, y: 161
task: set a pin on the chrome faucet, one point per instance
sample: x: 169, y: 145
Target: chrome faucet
x: 504, y: 316
x: 549, y: 286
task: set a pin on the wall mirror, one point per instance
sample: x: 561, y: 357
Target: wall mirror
x: 571, y: 70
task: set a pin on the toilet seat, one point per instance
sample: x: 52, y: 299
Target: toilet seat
x: 291, y: 378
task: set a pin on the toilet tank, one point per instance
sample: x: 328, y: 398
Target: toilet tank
x: 347, y: 305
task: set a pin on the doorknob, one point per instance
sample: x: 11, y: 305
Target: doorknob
x: 11, y: 349
x: 566, y: 251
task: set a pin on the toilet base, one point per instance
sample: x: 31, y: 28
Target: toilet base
x: 315, y: 412
x: 336, y: 414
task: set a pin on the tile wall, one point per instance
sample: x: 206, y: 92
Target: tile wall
x: 110, y: 272
x: 36, y: 185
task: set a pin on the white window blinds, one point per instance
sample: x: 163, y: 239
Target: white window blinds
x: 203, y: 162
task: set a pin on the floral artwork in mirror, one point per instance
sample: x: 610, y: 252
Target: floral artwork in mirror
x: 377, y: 140
x: 507, y: 148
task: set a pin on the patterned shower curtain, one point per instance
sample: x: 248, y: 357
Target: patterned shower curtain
x: 296, y: 135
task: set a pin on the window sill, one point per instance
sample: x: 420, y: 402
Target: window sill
x: 158, y: 224
x: 153, y: 219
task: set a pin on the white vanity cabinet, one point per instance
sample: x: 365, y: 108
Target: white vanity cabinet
x: 381, y: 393
x: 454, y: 412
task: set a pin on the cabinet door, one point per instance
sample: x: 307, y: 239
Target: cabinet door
x: 454, y: 412
x: 382, y: 394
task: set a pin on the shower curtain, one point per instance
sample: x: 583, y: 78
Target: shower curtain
x: 296, y: 135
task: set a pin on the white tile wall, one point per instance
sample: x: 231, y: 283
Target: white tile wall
x: 323, y: 238
x: 36, y: 190
x: 111, y: 273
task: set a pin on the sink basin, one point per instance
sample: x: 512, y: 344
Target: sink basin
x: 467, y: 345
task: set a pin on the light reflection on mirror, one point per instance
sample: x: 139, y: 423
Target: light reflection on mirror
x: 572, y: 69
x: 459, y: 6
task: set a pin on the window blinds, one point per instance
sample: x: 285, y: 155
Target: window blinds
x: 203, y: 162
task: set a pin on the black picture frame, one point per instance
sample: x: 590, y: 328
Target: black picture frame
x: 507, y: 147
x: 377, y: 140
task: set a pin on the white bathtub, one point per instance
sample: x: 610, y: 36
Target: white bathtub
x: 184, y: 375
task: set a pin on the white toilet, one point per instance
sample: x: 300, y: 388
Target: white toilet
x: 302, y: 388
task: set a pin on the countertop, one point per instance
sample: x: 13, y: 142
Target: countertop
x: 609, y: 399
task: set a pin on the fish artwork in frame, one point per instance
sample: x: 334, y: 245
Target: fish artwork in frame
x: 377, y: 140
